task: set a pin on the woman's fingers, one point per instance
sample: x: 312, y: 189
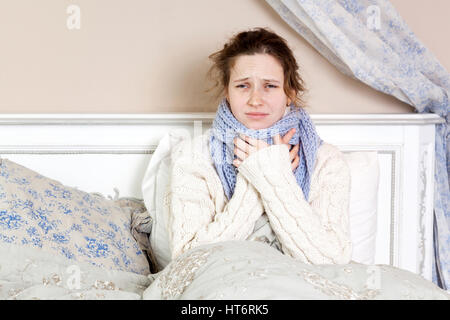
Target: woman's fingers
x: 244, y: 146
x: 294, y: 152
x: 288, y: 136
x: 295, y: 163
x: 293, y: 155
x: 277, y: 139
x: 240, y: 153
x: 256, y: 143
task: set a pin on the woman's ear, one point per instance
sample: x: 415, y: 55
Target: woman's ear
x: 289, y: 100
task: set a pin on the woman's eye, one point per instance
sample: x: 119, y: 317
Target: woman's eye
x: 269, y: 85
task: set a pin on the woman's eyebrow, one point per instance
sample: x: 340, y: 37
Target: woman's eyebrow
x: 271, y: 80
x: 240, y: 79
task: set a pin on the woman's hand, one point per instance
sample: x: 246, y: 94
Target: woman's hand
x: 293, y: 149
x: 244, y: 146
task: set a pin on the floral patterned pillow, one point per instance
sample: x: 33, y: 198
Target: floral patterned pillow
x: 42, y: 213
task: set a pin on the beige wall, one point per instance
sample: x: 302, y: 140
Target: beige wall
x: 143, y: 56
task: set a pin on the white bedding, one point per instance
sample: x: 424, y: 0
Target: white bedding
x: 227, y: 270
x: 253, y: 270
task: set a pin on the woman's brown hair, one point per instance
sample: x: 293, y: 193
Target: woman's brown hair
x: 257, y: 41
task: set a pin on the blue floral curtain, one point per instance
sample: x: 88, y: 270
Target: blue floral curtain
x: 369, y: 41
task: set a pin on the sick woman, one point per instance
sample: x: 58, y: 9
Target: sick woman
x: 263, y: 174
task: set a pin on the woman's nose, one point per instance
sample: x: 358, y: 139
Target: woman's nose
x: 255, y: 98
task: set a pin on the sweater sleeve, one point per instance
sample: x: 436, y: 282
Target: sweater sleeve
x: 197, y: 210
x: 315, y: 232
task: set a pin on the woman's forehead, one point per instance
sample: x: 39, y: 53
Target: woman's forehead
x: 261, y: 66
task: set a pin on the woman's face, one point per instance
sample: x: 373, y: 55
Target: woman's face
x: 255, y: 91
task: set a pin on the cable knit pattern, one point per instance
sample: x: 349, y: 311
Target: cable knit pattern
x: 196, y: 205
x: 314, y: 232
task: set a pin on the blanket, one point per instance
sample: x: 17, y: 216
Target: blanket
x: 232, y: 270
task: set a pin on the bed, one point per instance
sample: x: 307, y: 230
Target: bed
x: 101, y: 159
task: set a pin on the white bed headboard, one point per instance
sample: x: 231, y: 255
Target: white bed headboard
x: 100, y: 152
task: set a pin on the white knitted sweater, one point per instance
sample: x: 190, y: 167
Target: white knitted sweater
x: 314, y: 232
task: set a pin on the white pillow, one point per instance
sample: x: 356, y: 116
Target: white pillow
x: 154, y: 184
x: 362, y: 209
x: 364, y: 171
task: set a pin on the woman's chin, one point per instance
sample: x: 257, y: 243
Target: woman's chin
x: 258, y: 127
x: 258, y: 124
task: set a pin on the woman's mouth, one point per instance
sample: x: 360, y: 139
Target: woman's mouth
x: 256, y: 115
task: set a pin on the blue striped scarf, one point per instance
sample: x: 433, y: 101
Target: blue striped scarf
x: 226, y: 127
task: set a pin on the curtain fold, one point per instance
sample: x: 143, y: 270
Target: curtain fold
x: 369, y: 41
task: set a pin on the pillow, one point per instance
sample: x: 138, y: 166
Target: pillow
x: 38, y: 212
x: 141, y: 226
x: 154, y: 184
x: 362, y: 207
x: 364, y: 172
